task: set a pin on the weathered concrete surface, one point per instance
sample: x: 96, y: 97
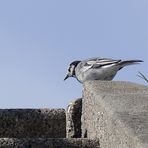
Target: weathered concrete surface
x: 48, y: 143
x: 116, y: 113
x: 73, y: 119
x: 25, y: 123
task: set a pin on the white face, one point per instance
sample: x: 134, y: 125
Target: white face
x: 71, y: 70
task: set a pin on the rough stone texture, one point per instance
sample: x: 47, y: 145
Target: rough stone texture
x: 48, y: 143
x: 32, y: 123
x: 116, y: 113
x: 73, y: 119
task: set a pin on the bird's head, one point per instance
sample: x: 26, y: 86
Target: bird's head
x: 71, y: 69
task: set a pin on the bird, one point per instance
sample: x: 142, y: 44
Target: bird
x: 97, y: 68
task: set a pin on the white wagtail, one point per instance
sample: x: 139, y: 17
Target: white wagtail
x: 97, y: 68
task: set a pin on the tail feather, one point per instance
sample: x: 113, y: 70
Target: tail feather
x: 128, y: 62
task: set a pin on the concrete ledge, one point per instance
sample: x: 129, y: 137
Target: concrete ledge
x: 33, y: 123
x: 116, y: 113
x: 73, y: 119
x: 48, y: 143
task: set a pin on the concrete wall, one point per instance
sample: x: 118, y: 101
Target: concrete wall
x: 73, y: 119
x: 32, y: 123
x: 110, y: 115
x: 42, y: 128
x: 116, y: 113
x: 48, y: 143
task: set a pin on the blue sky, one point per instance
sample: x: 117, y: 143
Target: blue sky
x: 38, y: 40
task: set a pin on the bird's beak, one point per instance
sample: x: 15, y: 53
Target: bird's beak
x: 67, y: 76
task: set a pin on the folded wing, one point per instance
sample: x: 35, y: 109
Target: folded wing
x: 99, y: 62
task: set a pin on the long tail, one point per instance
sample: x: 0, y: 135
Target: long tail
x: 129, y: 62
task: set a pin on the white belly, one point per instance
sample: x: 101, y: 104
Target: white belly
x: 97, y: 74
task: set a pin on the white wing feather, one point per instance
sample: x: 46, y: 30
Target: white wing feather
x: 98, y: 62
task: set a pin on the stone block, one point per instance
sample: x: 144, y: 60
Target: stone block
x: 48, y: 143
x: 73, y: 119
x: 31, y: 123
x: 116, y: 113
